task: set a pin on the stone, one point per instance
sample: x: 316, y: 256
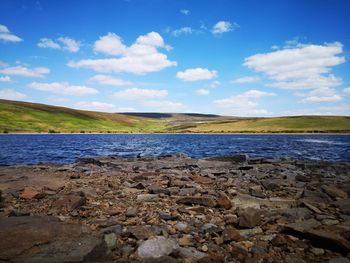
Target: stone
x: 164, y: 259
x: 334, y: 192
x: 303, y: 178
x: 157, y: 247
x: 339, y: 260
x: 317, y: 251
x: 186, y: 240
x: 250, y: 232
x: 224, y: 201
x: 156, y: 189
x: 231, y: 234
x: 167, y: 216
x: 190, y: 253
x: 147, y: 198
x: 46, y: 239
x: 231, y: 219
x: 197, y: 200
x: 131, y: 211
x: 214, y: 258
x: 182, y: 227
x: 30, y: 193
x: 210, y: 228
x: 111, y: 240
x: 270, y: 185
x: 70, y: 202
x: 141, y: 232
x: 249, y: 218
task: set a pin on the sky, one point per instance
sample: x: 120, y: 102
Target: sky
x: 227, y: 57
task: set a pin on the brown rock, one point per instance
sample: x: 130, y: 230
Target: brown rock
x: 197, y: 200
x: 70, y: 202
x: 201, y: 179
x: 30, y: 193
x: 141, y: 232
x: 215, y: 258
x: 224, y: 201
x: 131, y: 211
x: 249, y: 218
x: 334, y: 192
x: 186, y: 240
x: 231, y: 234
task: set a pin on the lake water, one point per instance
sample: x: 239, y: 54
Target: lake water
x: 66, y: 148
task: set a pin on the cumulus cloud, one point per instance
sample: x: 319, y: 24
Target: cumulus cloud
x: 7, y: 36
x: 142, y: 57
x: 202, y: 92
x: 63, y: 88
x: 140, y: 94
x: 245, y: 80
x: 165, y: 105
x: 223, y: 27
x: 244, y: 104
x: 63, y: 43
x: 299, y: 68
x: 185, y: 12
x: 10, y: 94
x: 182, y: 31
x: 5, y: 79
x: 109, y: 80
x: 110, y: 44
x: 195, y: 74
x: 215, y: 84
x: 321, y: 95
x: 96, y: 106
x: 346, y: 91
x: 25, y: 72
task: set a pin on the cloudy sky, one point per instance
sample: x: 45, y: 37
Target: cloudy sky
x: 229, y: 57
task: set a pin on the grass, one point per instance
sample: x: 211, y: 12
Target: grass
x: 30, y: 117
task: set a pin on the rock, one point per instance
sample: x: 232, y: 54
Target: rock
x: 250, y: 232
x: 157, y: 247
x: 147, y: 198
x: 270, y: 185
x: 111, y: 240
x: 237, y: 158
x: 164, y: 259
x: 249, y: 218
x: 231, y: 234
x: 167, y: 216
x: 212, y: 259
x: 131, y: 211
x: 186, y: 240
x: 30, y: 193
x: 141, y: 232
x: 334, y: 192
x: 224, y: 201
x: 182, y: 227
x: 70, y: 202
x: 317, y: 251
x: 231, y: 219
x: 210, y: 228
x: 303, y: 178
x: 191, y: 253
x: 46, y: 239
x: 197, y: 200
x: 156, y: 189
x: 339, y: 260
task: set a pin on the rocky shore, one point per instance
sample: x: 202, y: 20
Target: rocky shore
x: 176, y: 209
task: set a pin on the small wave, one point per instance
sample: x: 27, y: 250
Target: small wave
x: 321, y: 141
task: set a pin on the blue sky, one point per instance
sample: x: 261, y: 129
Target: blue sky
x: 242, y: 58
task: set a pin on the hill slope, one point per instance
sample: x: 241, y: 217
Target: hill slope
x: 31, y: 117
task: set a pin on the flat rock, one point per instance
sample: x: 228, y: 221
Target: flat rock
x: 30, y: 193
x: 157, y: 247
x: 334, y: 192
x: 46, y: 239
x: 147, y: 197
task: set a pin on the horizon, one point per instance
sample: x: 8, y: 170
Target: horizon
x: 228, y: 58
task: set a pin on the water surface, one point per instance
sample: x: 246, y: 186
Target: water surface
x: 66, y: 148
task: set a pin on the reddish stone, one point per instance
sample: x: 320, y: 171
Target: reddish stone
x: 224, y: 201
x: 30, y: 193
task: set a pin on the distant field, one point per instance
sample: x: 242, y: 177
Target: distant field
x: 30, y: 117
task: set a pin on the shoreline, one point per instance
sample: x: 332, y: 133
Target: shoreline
x: 219, y: 209
x: 183, y: 133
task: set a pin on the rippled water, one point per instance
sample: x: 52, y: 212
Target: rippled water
x: 66, y: 148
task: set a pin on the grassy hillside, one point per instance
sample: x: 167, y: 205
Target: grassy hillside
x: 278, y: 124
x: 30, y: 117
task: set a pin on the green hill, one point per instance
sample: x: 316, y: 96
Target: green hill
x: 18, y: 116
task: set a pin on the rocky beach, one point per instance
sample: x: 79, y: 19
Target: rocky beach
x: 176, y: 209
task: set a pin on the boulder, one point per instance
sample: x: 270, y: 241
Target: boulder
x: 249, y: 218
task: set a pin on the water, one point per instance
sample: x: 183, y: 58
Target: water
x: 66, y: 148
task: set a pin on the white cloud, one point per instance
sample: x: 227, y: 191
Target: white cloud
x: 109, y: 80
x: 10, y: 94
x: 215, y: 84
x: 69, y: 44
x: 25, y: 72
x: 244, y: 104
x: 142, y: 57
x: 299, y: 68
x: 245, y: 80
x: 202, y: 92
x: 320, y: 95
x: 5, y: 79
x: 346, y: 91
x: 110, y: 44
x: 165, y: 105
x: 140, y: 94
x: 96, y: 106
x: 185, y: 12
x: 63, y: 43
x: 7, y: 36
x: 63, y: 88
x: 196, y: 74
x: 182, y: 31
x: 223, y: 27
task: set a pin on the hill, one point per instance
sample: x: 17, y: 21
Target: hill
x: 18, y: 116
